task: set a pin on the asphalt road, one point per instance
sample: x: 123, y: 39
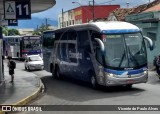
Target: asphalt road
x: 73, y: 92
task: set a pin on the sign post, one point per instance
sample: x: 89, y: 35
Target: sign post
x: 20, y: 9
x: 10, y: 9
x: 9, y: 22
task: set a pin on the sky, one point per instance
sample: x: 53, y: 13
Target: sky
x: 53, y: 12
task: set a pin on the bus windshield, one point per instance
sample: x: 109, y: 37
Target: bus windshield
x: 124, y: 50
x: 32, y: 43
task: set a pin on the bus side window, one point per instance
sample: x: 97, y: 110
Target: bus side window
x: 63, y: 51
x: 72, y: 35
x: 83, y: 38
x: 72, y: 53
x: 58, y: 51
x: 87, y: 52
x: 48, y: 39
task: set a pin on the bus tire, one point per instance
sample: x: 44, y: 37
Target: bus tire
x: 129, y: 86
x: 57, y: 73
x: 53, y: 73
x: 93, y: 81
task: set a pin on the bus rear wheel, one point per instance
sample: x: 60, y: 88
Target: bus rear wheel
x: 56, y: 73
x: 53, y: 73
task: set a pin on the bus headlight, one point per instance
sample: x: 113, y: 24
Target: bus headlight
x: 110, y: 74
x: 145, y: 72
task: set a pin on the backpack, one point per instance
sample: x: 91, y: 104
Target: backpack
x: 13, y: 64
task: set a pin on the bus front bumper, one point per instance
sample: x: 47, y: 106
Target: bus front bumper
x: 115, y: 81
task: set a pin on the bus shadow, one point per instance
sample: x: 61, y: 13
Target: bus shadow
x: 75, y: 90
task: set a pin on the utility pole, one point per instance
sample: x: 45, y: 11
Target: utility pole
x: 46, y: 23
x: 127, y: 4
x: 93, y: 12
x: 62, y: 18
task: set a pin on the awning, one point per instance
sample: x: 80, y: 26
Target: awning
x: 36, y: 5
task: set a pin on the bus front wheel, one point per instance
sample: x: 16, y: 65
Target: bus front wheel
x: 129, y: 86
x: 93, y: 81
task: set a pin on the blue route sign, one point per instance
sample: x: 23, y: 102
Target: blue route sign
x: 23, y: 9
x: 12, y: 22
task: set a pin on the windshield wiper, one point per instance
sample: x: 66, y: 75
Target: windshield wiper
x: 121, y: 59
x: 132, y: 57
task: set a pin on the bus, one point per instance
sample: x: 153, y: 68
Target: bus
x: 20, y: 46
x: 102, y: 53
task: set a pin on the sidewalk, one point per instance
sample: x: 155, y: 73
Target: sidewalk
x: 25, y: 88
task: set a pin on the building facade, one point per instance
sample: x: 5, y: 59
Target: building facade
x: 147, y: 18
x: 149, y: 22
x: 84, y: 14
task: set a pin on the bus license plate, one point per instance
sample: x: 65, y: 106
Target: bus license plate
x: 130, y: 81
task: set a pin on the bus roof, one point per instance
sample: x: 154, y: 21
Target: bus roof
x: 17, y: 36
x: 12, y: 36
x: 107, y: 27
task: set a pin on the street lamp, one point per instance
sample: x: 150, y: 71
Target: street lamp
x: 127, y: 4
x: 77, y: 3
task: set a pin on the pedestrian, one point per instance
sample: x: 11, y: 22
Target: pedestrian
x: 158, y: 65
x: 11, y: 68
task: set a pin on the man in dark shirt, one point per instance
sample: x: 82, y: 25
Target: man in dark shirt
x: 11, y: 69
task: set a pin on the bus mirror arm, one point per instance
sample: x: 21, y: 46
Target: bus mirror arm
x: 100, y: 43
x: 149, y: 41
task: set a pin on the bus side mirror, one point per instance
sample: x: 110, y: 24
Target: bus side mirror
x: 100, y: 44
x: 149, y: 41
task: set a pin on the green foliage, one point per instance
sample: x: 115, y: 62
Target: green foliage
x: 12, y: 32
x: 9, y: 32
x: 41, y: 29
x: 5, y: 30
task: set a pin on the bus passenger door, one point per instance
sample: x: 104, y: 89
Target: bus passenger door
x: 63, y: 58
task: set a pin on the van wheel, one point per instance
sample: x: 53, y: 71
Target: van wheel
x: 93, y: 81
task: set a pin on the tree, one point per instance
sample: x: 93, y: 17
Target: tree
x: 12, y: 32
x: 5, y: 30
x: 41, y: 29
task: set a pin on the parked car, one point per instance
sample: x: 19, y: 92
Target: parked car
x: 33, y: 62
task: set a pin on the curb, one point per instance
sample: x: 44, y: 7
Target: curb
x: 28, y: 99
